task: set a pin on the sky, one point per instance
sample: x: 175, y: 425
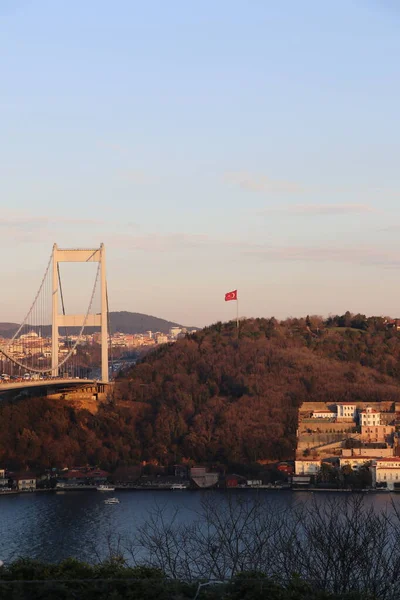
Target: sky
x: 211, y: 146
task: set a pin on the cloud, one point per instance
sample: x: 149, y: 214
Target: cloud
x: 184, y: 243
x: 155, y: 242
x: 361, y: 255
x: 42, y: 221
x: 32, y: 230
x: 261, y: 183
x: 220, y: 248
x: 319, y: 209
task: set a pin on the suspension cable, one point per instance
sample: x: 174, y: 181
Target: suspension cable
x: 109, y: 331
x: 62, y: 300
x: 34, y: 302
x: 77, y: 341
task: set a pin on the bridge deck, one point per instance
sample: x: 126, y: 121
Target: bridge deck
x: 52, y: 383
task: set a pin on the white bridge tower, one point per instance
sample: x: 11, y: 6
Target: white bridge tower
x: 90, y: 320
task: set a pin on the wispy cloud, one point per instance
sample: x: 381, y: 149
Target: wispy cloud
x: 155, y: 242
x: 319, y: 209
x: 257, y: 182
x: 361, y: 255
x: 38, y: 229
x: 261, y: 183
x: 367, y: 255
x: 42, y: 221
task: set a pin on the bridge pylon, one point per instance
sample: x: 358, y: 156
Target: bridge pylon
x: 89, y: 320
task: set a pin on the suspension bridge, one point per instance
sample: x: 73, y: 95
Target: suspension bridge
x: 52, y: 347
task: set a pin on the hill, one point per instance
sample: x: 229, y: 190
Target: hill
x: 128, y: 322
x: 211, y: 398
x: 123, y: 321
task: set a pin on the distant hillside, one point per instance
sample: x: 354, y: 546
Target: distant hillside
x: 123, y: 321
x: 129, y: 322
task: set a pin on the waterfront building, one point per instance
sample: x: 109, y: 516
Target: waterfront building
x: 202, y: 478
x: 386, y: 473
x: 307, y: 466
x: 25, y: 482
x: 3, y: 480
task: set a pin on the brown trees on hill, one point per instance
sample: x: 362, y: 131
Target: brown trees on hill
x: 211, y: 398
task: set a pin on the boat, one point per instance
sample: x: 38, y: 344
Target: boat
x: 178, y: 486
x: 111, y: 501
x: 105, y: 488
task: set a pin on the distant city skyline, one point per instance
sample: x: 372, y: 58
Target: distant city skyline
x: 211, y: 147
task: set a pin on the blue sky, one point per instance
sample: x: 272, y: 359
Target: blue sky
x: 210, y: 145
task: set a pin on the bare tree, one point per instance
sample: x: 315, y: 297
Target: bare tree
x: 337, y: 545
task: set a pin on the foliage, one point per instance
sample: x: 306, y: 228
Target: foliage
x: 212, y: 398
x: 32, y: 580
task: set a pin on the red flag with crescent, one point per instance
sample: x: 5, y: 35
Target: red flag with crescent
x: 231, y: 296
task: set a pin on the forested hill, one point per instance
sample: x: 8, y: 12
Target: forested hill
x: 123, y: 321
x: 216, y: 398
x: 212, y: 398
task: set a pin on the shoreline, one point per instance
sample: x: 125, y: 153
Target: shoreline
x: 165, y: 489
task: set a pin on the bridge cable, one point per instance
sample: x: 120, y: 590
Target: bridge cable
x: 109, y: 332
x: 77, y: 341
x: 34, y: 302
x: 62, y: 303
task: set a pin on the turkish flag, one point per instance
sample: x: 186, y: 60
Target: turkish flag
x: 231, y: 296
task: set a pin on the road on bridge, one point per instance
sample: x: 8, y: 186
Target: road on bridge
x: 52, y: 383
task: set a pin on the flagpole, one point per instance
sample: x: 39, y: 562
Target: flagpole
x: 237, y: 315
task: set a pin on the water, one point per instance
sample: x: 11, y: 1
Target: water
x: 54, y: 526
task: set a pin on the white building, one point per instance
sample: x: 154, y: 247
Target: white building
x: 26, y: 483
x: 346, y: 410
x: 323, y: 414
x: 3, y: 480
x: 370, y: 417
x: 175, y: 331
x: 306, y: 466
x: 31, y: 335
x: 386, y: 471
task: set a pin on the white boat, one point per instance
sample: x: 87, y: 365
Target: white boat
x: 105, y: 488
x: 178, y: 486
x: 111, y: 501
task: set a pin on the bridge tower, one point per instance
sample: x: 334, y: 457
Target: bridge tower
x: 90, y: 320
